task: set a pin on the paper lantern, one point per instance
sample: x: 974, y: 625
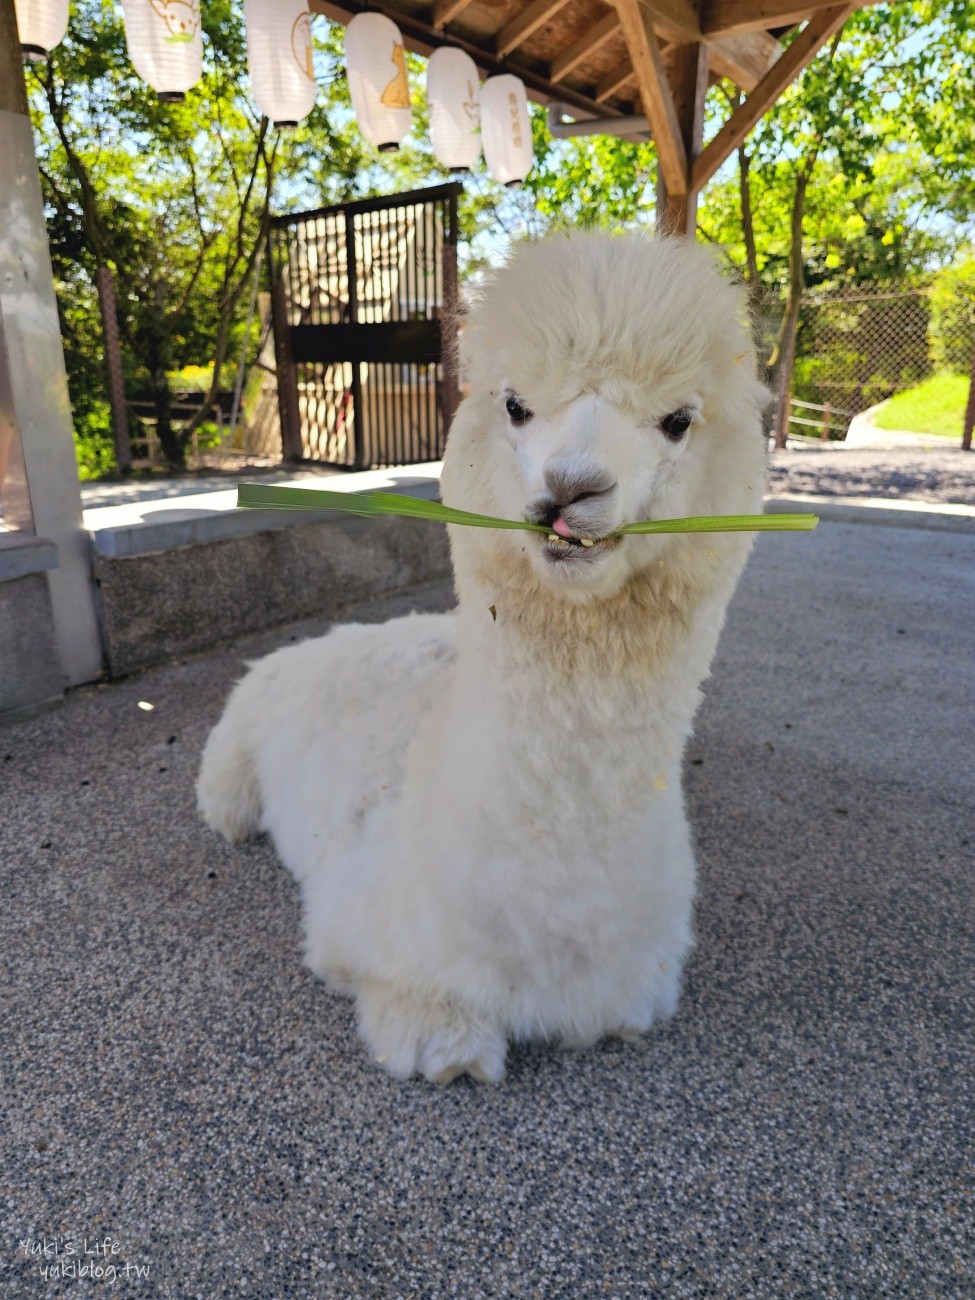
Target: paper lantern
x: 41, y: 24
x: 506, y: 132
x: 165, y: 44
x: 376, y: 59
x: 279, y: 59
x: 454, y: 96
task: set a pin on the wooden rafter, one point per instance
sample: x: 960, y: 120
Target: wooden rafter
x: 675, y: 20
x: 801, y: 52
x: 745, y: 59
x: 658, y: 102
x: 614, y: 82
x: 728, y: 17
x: 526, y: 24
x: 445, y: 11
x: 585, y: 47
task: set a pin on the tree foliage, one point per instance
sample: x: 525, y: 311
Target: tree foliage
x: 864, y: 171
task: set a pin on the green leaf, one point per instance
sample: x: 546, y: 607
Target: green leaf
x: 261, y: 496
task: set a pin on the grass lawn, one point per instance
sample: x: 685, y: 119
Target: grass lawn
x: 936, y: 406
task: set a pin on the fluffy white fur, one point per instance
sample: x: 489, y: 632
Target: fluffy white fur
x: 485, y: 813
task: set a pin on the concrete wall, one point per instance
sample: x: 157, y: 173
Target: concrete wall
x: 161, y: 604
x: 31, y: 675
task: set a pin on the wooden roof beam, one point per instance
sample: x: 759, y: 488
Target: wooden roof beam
x: 799, y: 54
x: 587, y: 45
x: 445, y: 11
x: 675, y: 20
x: 658, y: 102
x: 731, y: 17
x: 745, y: 59
x: 526, y: 25
x: 614, y: 82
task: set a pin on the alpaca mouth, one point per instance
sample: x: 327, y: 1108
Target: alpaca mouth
x: 575, y: 549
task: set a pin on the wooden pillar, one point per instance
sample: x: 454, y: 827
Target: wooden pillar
x: 687, y: 75
x: 289, y: 410
x: 36, y: 410
x: 448, y: 316
x: 13, y: 93
x: 13, y: 481
x: 966, y: 437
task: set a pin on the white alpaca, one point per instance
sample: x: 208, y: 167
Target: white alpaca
x: 484, y: 809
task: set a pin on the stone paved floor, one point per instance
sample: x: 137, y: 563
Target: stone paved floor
x: 173, y: 1081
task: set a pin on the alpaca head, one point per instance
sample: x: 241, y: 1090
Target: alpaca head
x: 612, y: 380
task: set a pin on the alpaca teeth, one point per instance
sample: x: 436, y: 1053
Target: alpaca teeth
x: 587, y: 541
x: 554, y: 537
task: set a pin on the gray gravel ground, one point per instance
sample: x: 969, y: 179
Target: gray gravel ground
x: 175, y: 1082
x: 939, y: 474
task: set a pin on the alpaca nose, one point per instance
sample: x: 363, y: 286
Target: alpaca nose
x: 570, y: 481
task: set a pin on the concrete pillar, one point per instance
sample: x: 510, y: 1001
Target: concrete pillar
x: 34, y: 407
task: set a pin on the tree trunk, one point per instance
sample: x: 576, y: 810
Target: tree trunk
x: 157, y: 342
x: 748, y: 228
x: 171, y: 444
x: 783, y: 358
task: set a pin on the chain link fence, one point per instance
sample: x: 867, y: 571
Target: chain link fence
x: 856, y: 347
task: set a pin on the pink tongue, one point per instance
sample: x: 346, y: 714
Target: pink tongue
x: 562, y: 528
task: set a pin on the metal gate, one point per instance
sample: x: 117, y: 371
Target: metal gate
x: 364, y: 302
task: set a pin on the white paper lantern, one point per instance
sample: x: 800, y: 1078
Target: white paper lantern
x: 41, y: 24
x: 165, y: 44
x: 279, y: 59
x: 376, y: 59
x: 506, y: 131
x: 454, y: 96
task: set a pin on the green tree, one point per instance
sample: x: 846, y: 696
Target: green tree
x: 953, y: 316
x: 843, y: 177
x: 173, y: 199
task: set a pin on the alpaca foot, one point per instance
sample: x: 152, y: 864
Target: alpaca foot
x: 658, y: 1002
x: 411, y: 1035
x: 582, y: 1042
x: 227, y: 791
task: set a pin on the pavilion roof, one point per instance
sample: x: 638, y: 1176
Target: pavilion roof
x: 584, y: 54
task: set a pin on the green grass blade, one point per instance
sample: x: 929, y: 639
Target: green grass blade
x: 727, y: 524
x: 262, y: 496
x: 259, y: 496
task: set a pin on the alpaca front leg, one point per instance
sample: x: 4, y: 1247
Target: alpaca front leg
x: 409, y: 1034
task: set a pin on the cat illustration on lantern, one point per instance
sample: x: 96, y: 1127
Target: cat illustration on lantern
x: 182, y: 18
x: 301, y: 45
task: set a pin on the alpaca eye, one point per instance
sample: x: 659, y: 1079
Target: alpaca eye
x: 676, y: 424
x: 517, y: 410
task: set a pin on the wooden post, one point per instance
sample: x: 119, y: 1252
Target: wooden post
x: 288, y: 408
x: 358, y: 407
x: 687, y: 75
x: 448, y: 315
x: 824, y: 432
x: 36, y: 408
x: 13, y: 92
x: 13, y: 99
x: 14, y: 492
x: 966, y: 437
x: 113, y: 364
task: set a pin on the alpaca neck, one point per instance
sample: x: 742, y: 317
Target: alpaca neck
x: 600, y: 663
